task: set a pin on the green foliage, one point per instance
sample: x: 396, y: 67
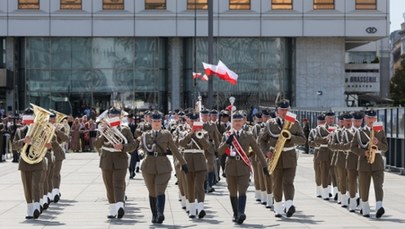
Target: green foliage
x: 397, y: 85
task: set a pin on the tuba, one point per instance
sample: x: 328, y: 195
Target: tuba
x: 112, y: 134
x: 285, y: 135
x: 41, y: 132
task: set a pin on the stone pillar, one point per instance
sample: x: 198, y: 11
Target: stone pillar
x: 175, y: 71
x: 10, y: 66
x: 320, y: 72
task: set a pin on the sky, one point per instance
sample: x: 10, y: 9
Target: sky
x: 397, y: 9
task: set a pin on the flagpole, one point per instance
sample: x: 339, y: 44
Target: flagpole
x: 210, y: 50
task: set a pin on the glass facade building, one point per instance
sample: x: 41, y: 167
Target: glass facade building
x: 69, y: 73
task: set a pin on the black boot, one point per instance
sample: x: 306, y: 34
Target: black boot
x: 234, y: 202
x: 211, y: 180
x: 152, y: 203
x: 160, y: 204
x: 242, y: 205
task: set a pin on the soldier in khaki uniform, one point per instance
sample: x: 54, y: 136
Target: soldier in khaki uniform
x: 317, y: 164
x: 214, y: 140
x: 30, y: 173
x: 341, y: 145
x: 156, y: 167
x: 59, y: 154
x: 360, y: 146
x: 258, y: 179
x: 284, y: 173
x: 197, y: 149
x: 114, y: 163
x: 237, y: 169
x: 223, y: 125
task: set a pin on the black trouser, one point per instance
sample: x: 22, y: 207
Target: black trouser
x: 134, y: 160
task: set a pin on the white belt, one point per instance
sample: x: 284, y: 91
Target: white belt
x: 109, y: 149
x: 324, y: 145
x: 317, y: 147
x: 288, y: 148
x: 193, y: 151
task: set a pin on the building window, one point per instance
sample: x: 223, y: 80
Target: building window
x: 239, y: 4
x: 197, y: 4
x: 366, y: 4
x: 113, y: 4
x: 28, y: 4
x: 155, y: 4
x: 324, y: 4
x: 281, y: 5
x: 71, y: 4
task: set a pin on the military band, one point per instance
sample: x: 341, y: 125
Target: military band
x: 346, y: 156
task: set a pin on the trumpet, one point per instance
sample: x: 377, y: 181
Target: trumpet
x: 41, y: 133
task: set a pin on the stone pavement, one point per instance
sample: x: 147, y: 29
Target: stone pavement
x: 84, y: 205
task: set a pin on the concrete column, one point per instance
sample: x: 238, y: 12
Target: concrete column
x: 320, y: 72
x: 10, y: 66
x: 176, y: 71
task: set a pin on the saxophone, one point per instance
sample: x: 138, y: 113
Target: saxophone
x: 41, y: 133
x: 372, y: 149
x: 285, y: 135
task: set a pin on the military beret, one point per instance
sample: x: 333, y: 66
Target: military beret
x: 272, y: 114
x: 156, y: 115
x: 237, y: 115
x: 371, y: 113
x: 340, y: 117
x: 330, y: 113
x: 258, y: 115
x: 283, y: 104
x: 320, y: 117
x: 266, y: 112
x: 147, y: 112
x: 52, y: 115
x: 205, y: 111
x: 181, y: 113
x: 194, y: 116
x: 28, y: 111
x: 224, y: 113
x: 357, y: 115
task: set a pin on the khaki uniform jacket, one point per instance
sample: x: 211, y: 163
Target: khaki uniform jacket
x: 336, y: 145
x: 270, y: 134
x: 223, y: 127
x: 312, y: 144
x: 321, y: 139
x: 58, y: 139
x: 196, y: 163
x: 352, y: 159
x: 18, y: 143
x: 213, y: 134
x: 141, y: 128
x: 238, y: 167
x: 360, y: 146
x: 160, y: 144
x: 115, y: 160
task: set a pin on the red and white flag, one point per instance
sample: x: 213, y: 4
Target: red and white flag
x: 116, y: 121
x: 209, y: 69
x: 200, y: 76
x: 28, y: 119
x: 290, y: 117
x: 197, y: 126
x: 225, y: 73
x: 378, y: 126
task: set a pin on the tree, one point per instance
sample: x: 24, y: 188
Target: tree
x: 397, y: 85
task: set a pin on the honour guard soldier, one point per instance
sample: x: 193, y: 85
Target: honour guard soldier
x: 258, y: 177
x: 235, y: 145
x: 284, y: 172
x: 156, y: 167
x: 369, y: 143
x: 196, y: 151
x: 113, y: 142
x: 59, y: 153
x: 317, y: 163
x: 30, y: 173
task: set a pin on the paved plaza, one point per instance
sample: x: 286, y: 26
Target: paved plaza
x: 84, y: 204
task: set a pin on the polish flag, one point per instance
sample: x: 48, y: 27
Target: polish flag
x: 28, y: 119
x: 204, y: 77
x: 196, y: 75
x: 378, y: 126
x: 331, y: 129
x: 209, y: 69
x: 116, y: 121
x: 225, y: 73
x: 290, y: 117
x: 197, y: 126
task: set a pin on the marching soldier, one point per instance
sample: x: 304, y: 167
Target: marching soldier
x: 30, y: 173
x: 284, y: 173
x: 217, y: 166
x: 258, y: 177
x: 156, y: 167
x: 114, y: 161
x: 59, y: 153
x: 235, y: 145
x: 317, y: 163
x: 341, y: 144
x: 367, y: 167
x: 197, y: 149
x: 223, y: 125
x: 214, y: 140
